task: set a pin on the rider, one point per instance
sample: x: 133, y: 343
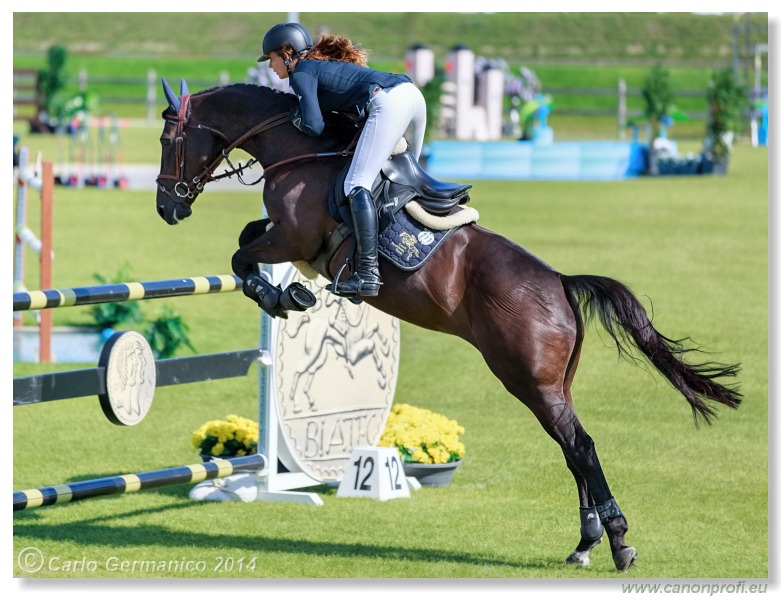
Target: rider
x: 332, y: 75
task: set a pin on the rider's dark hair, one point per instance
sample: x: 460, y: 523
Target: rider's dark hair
x: 332, y: 47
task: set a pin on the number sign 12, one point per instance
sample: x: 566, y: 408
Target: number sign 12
x: 374, y: 472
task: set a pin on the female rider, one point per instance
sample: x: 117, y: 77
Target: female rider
x: 332, y: 76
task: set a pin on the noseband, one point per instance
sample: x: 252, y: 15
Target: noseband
x: 181, y: 188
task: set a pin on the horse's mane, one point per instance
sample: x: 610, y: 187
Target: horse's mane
x: 245, y: 98
x: 253, y: 103
x: 248, y: 88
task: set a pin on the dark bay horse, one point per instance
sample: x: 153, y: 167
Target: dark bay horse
x: 525, y: 318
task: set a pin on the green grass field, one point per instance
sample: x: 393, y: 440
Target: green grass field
x: 696, y: 499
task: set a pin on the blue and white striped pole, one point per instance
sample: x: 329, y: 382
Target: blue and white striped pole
x: 121, y: 292
x: 123, y: 484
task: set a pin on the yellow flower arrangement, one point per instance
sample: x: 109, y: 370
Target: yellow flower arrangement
x: 233, y: 436
x: 422, y: 436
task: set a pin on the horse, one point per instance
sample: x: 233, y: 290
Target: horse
x: 525, y: 318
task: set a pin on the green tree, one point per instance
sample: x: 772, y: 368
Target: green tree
x: 727, y: 99
x: 51, y: 80
x: 657, y: 93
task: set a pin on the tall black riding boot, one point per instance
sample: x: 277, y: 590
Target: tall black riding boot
x: 365, y: 280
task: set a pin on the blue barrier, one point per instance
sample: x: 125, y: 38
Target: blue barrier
x: 527, y: 160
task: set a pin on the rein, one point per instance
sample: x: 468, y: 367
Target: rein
x: 183, y: 189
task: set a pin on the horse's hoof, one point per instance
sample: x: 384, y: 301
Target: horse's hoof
x: 297, y: 297
x: 580, y: 555
x: 579, y: 558
x: 625, y: 558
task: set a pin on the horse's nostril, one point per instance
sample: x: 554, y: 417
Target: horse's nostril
x: 161, y: 212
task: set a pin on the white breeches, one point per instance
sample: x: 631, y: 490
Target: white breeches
x: 400, y: 111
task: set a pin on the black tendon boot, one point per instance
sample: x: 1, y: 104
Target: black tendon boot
x: 365, y: 280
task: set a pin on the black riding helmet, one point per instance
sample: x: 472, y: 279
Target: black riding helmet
x: 294, y: 34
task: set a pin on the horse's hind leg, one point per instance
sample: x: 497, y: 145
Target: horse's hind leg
x: 594, y: 517
x: 591, y: 529
x: 553, y: 409
x: 559, y: 420
x: 532, y: 345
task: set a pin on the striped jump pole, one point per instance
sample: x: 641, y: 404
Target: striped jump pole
x: 123, y: 484
x: 121, y: 292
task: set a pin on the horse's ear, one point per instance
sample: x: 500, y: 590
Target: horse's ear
x: 170, y: 96
x: 183, y: 91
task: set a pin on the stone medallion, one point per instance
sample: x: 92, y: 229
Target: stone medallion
x: 335, y: 371
x: 131, y: 377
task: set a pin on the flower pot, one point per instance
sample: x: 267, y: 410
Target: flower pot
x: 431, y: 475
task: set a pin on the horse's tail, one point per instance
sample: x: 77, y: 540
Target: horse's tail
x: 627, y: 322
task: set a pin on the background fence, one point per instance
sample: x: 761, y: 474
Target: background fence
x: 146, y: 91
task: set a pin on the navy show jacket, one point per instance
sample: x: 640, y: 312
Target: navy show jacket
x: 330, y: 85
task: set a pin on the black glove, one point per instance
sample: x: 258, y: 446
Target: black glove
x: 351, y: 119
x: 295, y: 118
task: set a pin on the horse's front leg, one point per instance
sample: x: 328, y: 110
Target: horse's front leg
x: 261, y: 244
x: 253, y: 230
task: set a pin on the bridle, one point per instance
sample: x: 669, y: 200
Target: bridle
x: 184, y: 189
x: 190, y: 189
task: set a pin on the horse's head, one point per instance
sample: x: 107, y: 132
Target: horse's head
x: 201, y: 130
x: 190, y: 153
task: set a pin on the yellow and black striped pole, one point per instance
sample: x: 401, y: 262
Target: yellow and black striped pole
x: 123, y: 484
x: 120, y: 292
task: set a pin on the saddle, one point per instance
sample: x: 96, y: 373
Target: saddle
x: 402, y: 174
x: 400, y: 180
x: 403, y: 239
